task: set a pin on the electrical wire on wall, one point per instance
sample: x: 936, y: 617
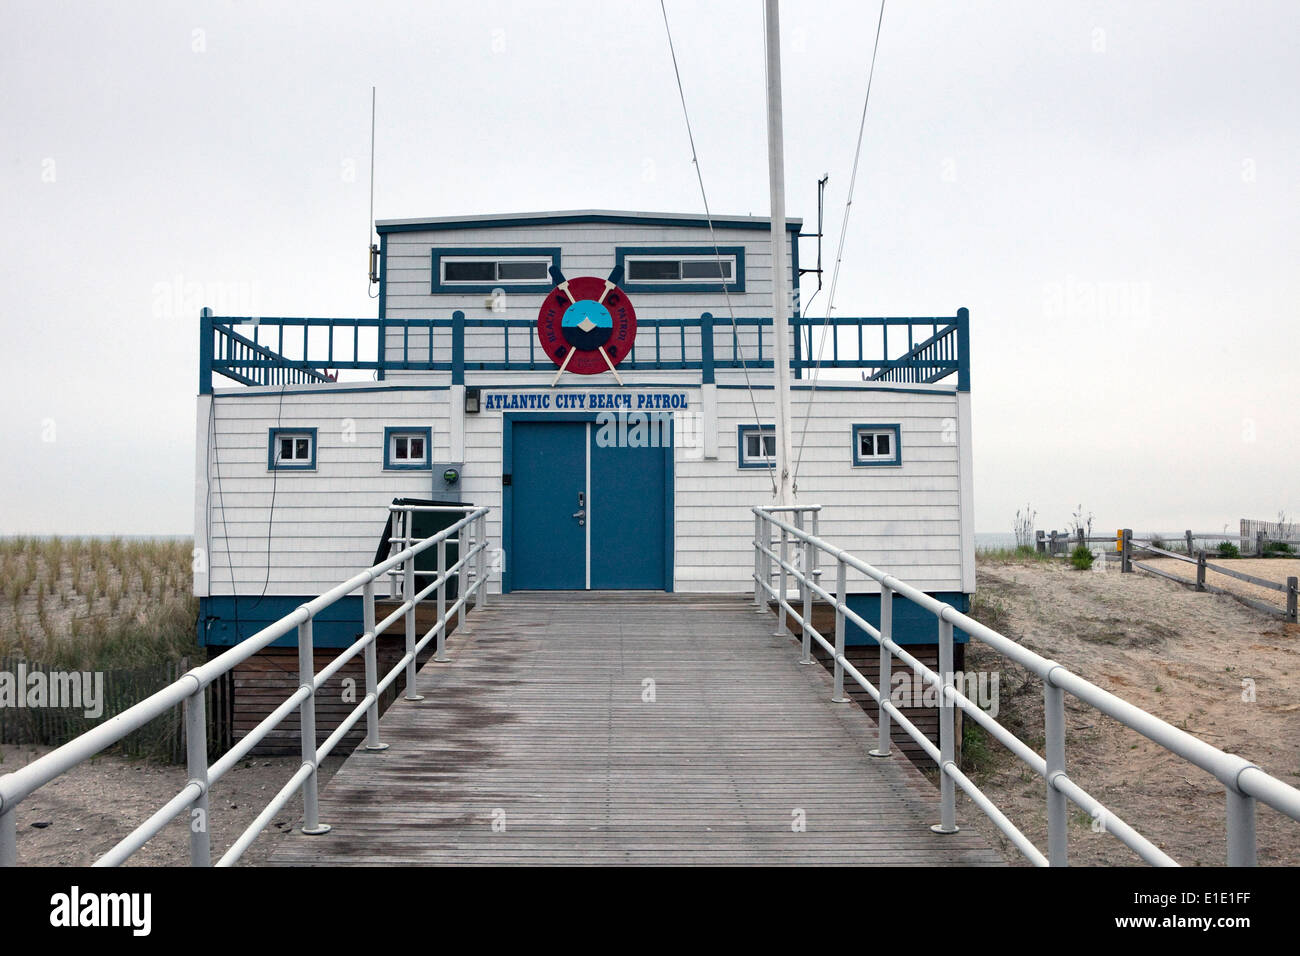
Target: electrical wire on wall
x: 275, y: 480
x: 225, y: 538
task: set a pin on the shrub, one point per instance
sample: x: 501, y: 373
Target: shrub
x: 1278, y: 547
x: 1227, y: 549
x: 1081, y: 557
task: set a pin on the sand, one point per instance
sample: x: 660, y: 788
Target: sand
x: 1269, y: 569
x: 90, y: 808
x: 1193, y: 659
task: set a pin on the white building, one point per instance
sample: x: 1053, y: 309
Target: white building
x: 641, y: 478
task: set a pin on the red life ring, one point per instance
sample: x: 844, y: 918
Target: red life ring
x: 586, y: 325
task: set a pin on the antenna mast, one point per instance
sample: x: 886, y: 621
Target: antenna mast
x: 370, y: 225
x: 780, y: 304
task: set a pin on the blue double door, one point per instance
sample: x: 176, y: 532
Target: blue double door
x: 586, y: 513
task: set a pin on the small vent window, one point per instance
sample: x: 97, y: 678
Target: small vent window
x: 406, y: 448
x: 757, y: 446
x: 876, y: 445
x: 292, y: 449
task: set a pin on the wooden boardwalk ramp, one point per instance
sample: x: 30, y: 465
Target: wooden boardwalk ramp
x: 534, y: 745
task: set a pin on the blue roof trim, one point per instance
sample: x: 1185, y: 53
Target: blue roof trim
x: 384, y: 229
x: 271, y: 390
x: 828, y: 386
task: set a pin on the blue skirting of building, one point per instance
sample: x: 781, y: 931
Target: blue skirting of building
x: 224, y: 621
x: 912, y: 625
x: 340, y: 624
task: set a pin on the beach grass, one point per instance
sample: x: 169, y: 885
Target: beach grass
x: 96, y: 603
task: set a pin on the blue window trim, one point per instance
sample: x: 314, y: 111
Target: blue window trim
x: 741, y: 431
x: 425, y: 432
x: 898, y: 446
x: 438, y: 288
x: 273, y: 465
x: 736, y: 285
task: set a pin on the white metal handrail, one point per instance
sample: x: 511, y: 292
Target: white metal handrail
x: 471, y: 529
x: 1243, y: 781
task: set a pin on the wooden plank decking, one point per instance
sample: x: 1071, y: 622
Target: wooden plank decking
x: 538, y: 726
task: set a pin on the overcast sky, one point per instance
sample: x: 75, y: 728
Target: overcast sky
x: 1112, y: 188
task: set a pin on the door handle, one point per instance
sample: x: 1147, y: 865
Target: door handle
x: 581, y: 516
x: 581, y: 513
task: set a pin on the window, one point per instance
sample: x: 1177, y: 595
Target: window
x: 646, y: 269
x: 682, y: 268
x: 291, y: 449
x: 876, y: 445
x: 494, y: 270
x: 407, y: 449
x: 757, y: 446
x: 483, y: 270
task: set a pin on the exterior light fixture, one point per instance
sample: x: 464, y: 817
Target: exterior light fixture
x: 471, y: 401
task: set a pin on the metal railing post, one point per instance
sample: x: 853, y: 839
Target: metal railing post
x: 481, y: 595
x: 9, y: 838
x: 1241, y: 829
x: 372, y: 667
x: 805, y: 580
x: 408, y: 587
x: 780, y: 595
x: 841, y: 598
x: 311, y: 824
x: 947, y: 790
x: 196, y: 765
x: 462, y: 578
x: 758, y: 561
x: 816, y: 534
x: 765, y: 563
x: 1054, y: 730
x: 885, y: 677
x: 440, y: 655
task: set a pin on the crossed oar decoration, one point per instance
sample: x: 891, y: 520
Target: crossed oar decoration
x: 562, y: 284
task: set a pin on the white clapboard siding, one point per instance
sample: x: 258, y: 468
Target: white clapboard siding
x: 325, y: 524
x: 585, y: 249
x: 904, y: 519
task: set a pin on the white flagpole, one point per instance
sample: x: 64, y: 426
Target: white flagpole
x: 780, y: 303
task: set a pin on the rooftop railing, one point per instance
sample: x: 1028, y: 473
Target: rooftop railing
x: 1244, y: 784
x: 298, y: 350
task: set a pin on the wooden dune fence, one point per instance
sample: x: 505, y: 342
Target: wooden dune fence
x: 1290, y: 590
x: 161, y: 739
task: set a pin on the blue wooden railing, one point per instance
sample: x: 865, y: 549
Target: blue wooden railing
x: 292, y: 351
